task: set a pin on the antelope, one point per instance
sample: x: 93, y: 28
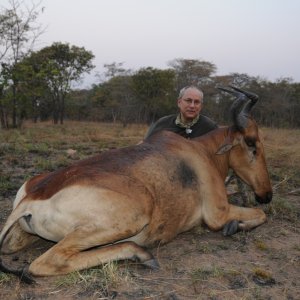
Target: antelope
x: 116, y: 205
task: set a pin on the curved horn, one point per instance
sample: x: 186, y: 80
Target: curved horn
x: 249, y: 95
x: 240, y: 117
x: 240, y: 121
x: 248, y: 106
x: 234, y: 93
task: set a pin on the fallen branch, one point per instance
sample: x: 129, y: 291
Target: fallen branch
x: 286, y: 178
x: 294, y: 192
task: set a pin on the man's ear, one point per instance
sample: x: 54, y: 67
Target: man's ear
x: 178, y: 102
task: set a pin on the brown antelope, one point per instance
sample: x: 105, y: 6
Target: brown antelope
x: 113, y: 205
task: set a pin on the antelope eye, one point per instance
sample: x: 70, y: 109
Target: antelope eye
x: 250, y: 143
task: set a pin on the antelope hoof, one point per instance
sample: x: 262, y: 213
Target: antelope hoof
x: 231, y: 228
x: 25, y: 276
x: 152, y: 264
x: 21, y: 273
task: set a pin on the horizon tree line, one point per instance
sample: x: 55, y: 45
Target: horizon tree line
x: 37, y: 85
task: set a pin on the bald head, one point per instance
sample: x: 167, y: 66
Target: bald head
x: 192, y: 89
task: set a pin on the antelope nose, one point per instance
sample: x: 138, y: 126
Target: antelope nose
x: 266, y: 199
x: 269, y: 197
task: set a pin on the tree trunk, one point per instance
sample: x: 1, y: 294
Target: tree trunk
x: 35, y: 111
x: 62, y: 109
x: 3, y: 117
x: 55, y: 111
x: 14, y: 106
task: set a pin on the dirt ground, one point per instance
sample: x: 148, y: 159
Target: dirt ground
x: 200, y: 264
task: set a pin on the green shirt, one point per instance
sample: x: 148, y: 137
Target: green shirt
x: 202, y: 126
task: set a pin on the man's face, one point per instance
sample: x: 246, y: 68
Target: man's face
x: 190, y: 104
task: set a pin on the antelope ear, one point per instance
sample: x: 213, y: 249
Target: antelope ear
x: 224, y: 148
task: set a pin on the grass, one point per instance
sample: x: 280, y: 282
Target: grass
x: 5, y: 278
x: 281, y: 208
x: 38, y: 137
x: 262, y: 274
x: 261, y: 245
x: 99, y: 280
x: 204, y: 273
x: 39, y: 148
x: 6, y: 184
x: 44, y: 146
x: 297, y: 247
x: 43, y: 164
x: 85, y: 132
x: 282, y: 147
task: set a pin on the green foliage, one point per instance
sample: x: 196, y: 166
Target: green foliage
x: 18, y: 32
x: 155, y: 90
x: 149, y: 93
x: 192, y: 71
x: 34, y: 84
x: 53, y: 69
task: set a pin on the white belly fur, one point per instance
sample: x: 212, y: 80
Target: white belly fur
x: 75, y: 206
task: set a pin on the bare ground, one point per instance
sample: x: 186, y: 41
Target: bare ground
x: 200, y: 264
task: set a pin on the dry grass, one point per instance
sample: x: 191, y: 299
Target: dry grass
x: 44, y: 137
x: 85, y: 131
x: 282, y: 148
x: 95, y: 282
x: 282, y: 144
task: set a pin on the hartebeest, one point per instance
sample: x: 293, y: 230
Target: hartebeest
x: 111, y: 206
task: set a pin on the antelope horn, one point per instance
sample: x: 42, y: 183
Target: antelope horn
x: 240, y: 116
x: 248, y: 106
x: 235, y: 106
x: 253, y: 97
x: 235, y: 93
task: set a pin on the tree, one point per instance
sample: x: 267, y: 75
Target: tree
x: 191, y: 71
x: 294, y: 107
x: 219, y: 103
x: 32, y: 87
x: 115, y: 69
x: 155, y: 90
x: 57, y: 67
x: 120, y: 99
x: 18, y: 33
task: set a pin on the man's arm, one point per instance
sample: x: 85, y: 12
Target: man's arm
x: 164, y: 123
x: 150, y: 130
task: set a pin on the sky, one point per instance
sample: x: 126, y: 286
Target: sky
x: 256, y: 37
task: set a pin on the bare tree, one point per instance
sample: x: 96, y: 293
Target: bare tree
x: 19, y: 31
x: 191, y: 71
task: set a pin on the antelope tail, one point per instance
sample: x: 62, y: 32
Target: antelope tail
x: 19, y: 212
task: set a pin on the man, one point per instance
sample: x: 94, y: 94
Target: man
x: 188, y: 123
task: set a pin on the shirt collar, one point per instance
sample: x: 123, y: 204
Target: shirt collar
x: 181, y: 124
